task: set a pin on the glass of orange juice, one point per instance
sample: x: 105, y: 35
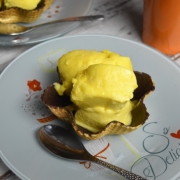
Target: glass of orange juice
x: 161, y: 25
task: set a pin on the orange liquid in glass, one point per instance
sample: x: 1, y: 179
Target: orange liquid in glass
x: 161, y: 25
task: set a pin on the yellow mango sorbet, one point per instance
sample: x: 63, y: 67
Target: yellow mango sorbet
x: 95, y: 119
x: 100, y: 85
x: 102, y: 93
x: 24, y: 4
x: 103, y: 85
x: 77, y: 60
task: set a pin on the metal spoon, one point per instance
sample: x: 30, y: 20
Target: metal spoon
x: 64, y: 143
x: 15, y: 29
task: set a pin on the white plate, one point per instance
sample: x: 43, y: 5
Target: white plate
x: 152, y: 151
x: 58, y: 10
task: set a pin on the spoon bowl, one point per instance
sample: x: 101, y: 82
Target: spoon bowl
x: 15, y: 29
x: 64, y: 143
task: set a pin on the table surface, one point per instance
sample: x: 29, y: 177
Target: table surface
x: 123, y: 18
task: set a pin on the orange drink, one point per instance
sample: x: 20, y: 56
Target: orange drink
x: 161, y: 25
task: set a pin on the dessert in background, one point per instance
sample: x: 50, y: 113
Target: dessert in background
x: 99, y: 93
x: 27, y: 11
x: 24, y: 4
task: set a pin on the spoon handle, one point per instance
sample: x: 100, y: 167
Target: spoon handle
x: 127, y: 174
x: 78, y: 18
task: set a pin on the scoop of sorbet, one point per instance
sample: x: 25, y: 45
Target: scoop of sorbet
x: 24, y: 4
x: 77, y: 60
x: 102, y: 93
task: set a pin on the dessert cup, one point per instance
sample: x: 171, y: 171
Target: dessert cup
x: 61, y: 106
x: 15, y: 15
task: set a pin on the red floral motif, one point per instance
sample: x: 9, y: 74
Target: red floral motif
x: 47, y: 119
x: 17, y: 38
x: 87, y: 165
x: 176, y: 135
x: 34, y: 85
